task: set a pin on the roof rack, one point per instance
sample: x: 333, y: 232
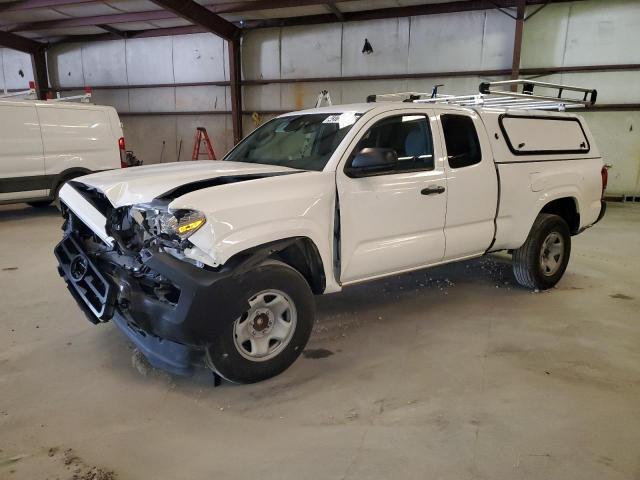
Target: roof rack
x: 83, y: 98
x: 493, y: 95
x: 31, y: 95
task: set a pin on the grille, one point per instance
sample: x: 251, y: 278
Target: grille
x: 84, y: 278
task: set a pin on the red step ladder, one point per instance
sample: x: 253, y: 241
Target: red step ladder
x: 202, y: 135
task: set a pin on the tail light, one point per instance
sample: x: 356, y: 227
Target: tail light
x: 605, y: 179
x: 123, y: 153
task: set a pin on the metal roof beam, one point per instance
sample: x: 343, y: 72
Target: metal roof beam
x: 229, y: 7
x: 115, y: 31
x: 393, y: 12
x: 22, y: 44
x: 199, y: 15
x: 236, y: 7
x: 333, y: 8
x: 224, y: 7
x: 115, y: 18
x: 19, y: 5
x: 94, y: 21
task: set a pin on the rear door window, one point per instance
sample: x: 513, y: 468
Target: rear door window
x: 533, y: 135
x: 461, y: 139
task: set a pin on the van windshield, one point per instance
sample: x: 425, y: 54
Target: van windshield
x: 305, y: 142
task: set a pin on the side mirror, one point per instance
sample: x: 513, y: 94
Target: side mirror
x: 373, y: 161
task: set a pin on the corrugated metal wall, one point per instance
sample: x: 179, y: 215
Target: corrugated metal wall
x: 149, y: 61
x: 596, y: 32
x: 568, y: 34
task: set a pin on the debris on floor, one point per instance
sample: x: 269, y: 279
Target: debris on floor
x: 140, y: 362
x: 82, y: 471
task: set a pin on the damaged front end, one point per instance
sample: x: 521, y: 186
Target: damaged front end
x: 170, y: 305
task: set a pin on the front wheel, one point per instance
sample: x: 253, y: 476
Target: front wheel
x: 543, y: 259
x: 270, y: 335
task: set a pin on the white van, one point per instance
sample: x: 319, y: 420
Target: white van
x: 44, y: 144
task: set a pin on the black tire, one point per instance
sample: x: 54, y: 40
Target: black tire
x: 223, y: 355
x: 40, y: 203
x: 528, y: 266
x: 56, y: 193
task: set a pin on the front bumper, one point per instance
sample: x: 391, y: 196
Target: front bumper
x: 169, y: 334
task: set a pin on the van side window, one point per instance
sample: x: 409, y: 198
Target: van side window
x: 408, y: 135
x: 461, y: 138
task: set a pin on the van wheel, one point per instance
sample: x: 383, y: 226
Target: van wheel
x: 272, y: 332
x: 542, y: 260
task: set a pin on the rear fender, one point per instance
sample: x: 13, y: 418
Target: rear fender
x: 520, y: 235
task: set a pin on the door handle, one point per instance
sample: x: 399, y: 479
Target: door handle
x: 432, y: 190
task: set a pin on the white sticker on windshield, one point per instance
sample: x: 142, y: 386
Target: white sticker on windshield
x: 332, y: 119
x: 343, y: 120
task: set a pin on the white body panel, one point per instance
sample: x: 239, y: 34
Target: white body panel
x: 45, y: 143
x: 472, y: 194
x: 21, y: 155
x: 86, y: 212
x: 143, y: 184
x: 385, y: 225
x: 529, y: 182
x: 520, y: 204
x: 412, y: 232
x: 236, y: 221
x: 78, y: 137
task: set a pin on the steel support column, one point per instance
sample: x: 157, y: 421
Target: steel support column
x: 517, y: 40
x: 40, y: 76
x: 38, y: 58
x: 236, y: 88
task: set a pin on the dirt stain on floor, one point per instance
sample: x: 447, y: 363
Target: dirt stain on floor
x: 621, y: 296
x: 315, y: 353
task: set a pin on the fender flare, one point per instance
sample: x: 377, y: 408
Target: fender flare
x: 310, y: 265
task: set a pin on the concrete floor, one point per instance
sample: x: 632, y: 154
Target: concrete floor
x: 452, y: 373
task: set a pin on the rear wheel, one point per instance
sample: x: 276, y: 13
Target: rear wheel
x: 543, y: 259
x: 40, y: 203
x: 272, y: 332
x: 55, y: 200
x: 56, y: 193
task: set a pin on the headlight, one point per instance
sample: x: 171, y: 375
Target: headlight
x: 177, y: 224
x: 182, y: 223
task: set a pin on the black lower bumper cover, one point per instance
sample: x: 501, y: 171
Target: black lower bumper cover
x: 603, y: 209
x: 169, y: 335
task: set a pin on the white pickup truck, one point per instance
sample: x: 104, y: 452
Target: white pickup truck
x: 217, y: 262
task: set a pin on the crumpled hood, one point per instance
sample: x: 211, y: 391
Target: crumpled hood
x: 129, y: 186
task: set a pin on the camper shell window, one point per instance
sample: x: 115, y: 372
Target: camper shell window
x: 541, y: 135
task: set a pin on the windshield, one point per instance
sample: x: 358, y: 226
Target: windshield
x: 304, y: 142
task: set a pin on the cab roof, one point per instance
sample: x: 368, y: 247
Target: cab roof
x: 384, y: 106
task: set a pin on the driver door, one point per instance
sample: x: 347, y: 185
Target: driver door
x: 393, y: 221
